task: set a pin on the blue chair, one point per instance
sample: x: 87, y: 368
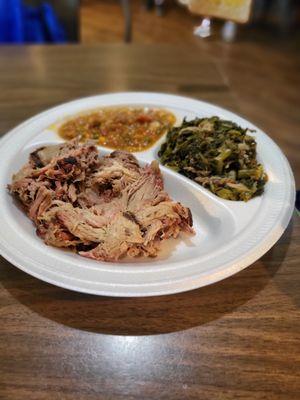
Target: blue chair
x: 67, y: 12
x: 21, y: 22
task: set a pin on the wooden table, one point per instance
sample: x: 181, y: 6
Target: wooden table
x: 236, y: 339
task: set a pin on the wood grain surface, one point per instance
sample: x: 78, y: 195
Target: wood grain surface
x: 237, y: 339
x: 260, y: 66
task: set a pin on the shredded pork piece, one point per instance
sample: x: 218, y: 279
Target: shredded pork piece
x: 102, y: 207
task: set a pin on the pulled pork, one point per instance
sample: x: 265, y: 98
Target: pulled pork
x: 103, y: 207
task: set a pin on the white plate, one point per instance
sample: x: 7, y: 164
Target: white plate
x: 229, y: 235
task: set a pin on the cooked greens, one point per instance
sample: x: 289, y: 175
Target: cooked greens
x: 218, y: 154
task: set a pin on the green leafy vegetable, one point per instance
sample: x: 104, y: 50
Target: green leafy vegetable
x: 218, y: 154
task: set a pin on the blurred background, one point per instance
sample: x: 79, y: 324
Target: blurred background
x: 254, y: 43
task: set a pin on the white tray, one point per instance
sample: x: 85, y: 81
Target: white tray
x: 229, y: 235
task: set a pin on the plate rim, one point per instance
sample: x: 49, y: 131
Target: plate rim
x: 273, y: 236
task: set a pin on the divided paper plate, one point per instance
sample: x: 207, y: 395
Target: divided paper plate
x: 229, y: 236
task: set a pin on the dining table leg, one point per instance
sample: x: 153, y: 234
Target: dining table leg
x: 128, y: 21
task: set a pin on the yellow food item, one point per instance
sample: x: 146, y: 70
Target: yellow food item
x: 234, y: 10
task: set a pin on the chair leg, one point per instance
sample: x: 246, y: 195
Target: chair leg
x: 160, y: 7
x: 204, y: 29
x: 128, y: 22
x: 229, y: 31
x: 149, y: 4
x: 285, y: 12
